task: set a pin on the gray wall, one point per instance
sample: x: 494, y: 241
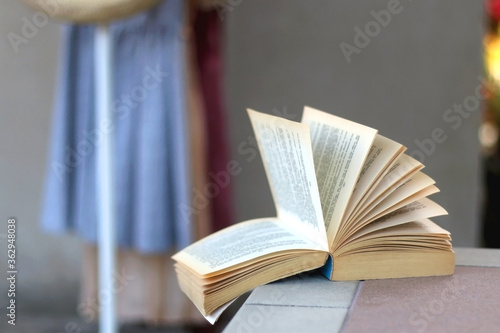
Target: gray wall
x: 424, y: 61
x: 280, y: 57
x: 48, y: 266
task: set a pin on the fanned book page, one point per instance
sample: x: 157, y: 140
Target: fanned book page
x: 340, y: 148
x: 285, y: 147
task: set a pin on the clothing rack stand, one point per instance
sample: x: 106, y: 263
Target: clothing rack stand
x: 104, y: 177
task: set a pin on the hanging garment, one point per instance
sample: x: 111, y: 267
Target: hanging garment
x: 208, y: 34
x: 152, y: 162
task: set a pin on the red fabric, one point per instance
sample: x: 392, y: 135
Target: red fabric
x: 208, y: 36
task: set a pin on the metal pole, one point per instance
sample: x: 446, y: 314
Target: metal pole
x: 104, y: 177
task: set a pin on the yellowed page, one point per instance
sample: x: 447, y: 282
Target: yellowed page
x: 212, y: 318
x: 417, y: 210
x: 419, y: 231
x: 370, y: 219
x: 418, y: 227
x: 340, y: 148
x: 394, y: 264
x: 382, y: 155
x: 285, y: 147
x: 404, y: 168
x: 425, y: 192
x: 242, y: 242
x: 415, y: 185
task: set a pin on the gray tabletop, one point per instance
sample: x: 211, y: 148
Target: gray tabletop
x: 309, y: 302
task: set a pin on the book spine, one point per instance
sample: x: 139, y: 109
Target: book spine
x: 327, y: 269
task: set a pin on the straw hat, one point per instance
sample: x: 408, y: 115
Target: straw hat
x: 91, y: 11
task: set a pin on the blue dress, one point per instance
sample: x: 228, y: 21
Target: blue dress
x: 152, y: 167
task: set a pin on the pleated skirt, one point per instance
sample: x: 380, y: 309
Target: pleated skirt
x: 152, y: 160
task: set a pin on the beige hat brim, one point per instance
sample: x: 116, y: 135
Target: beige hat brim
x: 91, y: 11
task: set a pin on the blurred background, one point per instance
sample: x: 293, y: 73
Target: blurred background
x: 406, y: 78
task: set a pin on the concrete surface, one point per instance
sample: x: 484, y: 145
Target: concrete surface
x: 311, y: 303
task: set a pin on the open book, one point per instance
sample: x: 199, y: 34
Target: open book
x: 348, y: 200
